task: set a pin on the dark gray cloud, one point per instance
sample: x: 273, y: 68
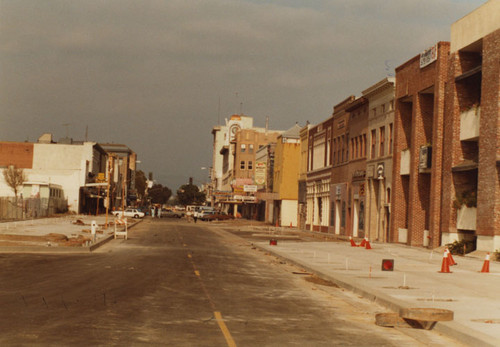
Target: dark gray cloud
x: 150, y: 73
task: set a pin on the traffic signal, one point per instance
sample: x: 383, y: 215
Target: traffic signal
x: 387, y: 264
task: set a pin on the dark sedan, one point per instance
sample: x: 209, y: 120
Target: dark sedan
x: 217, y: 216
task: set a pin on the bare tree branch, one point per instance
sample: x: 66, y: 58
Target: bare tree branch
x: 14, y: 178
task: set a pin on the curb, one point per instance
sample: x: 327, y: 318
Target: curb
x: 452, y: 330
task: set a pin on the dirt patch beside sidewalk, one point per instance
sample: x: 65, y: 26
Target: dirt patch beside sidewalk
x: 52, y: 238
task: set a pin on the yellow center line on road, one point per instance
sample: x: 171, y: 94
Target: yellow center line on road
x: 224, y: 329
x: 218, y: 317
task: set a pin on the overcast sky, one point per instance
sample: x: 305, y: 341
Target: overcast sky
x: 150, y: 73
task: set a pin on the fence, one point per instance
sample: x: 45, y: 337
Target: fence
x: 17, y: 209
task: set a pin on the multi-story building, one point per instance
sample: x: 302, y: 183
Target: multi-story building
x: 121, y: 167
x: 356, y: 167
x: 264, y: 172
x: 380, y: 98
x: 70, y: 165
x: 244, y: 146
x: 286, y: 174
x: 471, y: 166
x: 302, y: 184
x: 222, y: 157
x: 418, y: 148
x: 340, y: 195
x: 319, y: 165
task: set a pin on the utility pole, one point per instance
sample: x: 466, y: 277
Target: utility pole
x: 110, y: 161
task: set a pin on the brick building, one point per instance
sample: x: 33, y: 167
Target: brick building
x: 245, y: 144
x: 418, y: 148
x: 356, y: 168
x: 340, y: 209
x: 471, y: 171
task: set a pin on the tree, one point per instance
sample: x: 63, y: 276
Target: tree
x: 159, y: 194
x: 140, y: 184
x: 189, y: 194
x: 14, y: 178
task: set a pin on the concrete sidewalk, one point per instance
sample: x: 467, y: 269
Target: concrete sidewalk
x: 415, y: 282
x: 51, y: 235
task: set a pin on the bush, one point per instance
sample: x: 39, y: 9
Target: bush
x: 458, y: 247
x: 468, y: 198
x: 496, y: 255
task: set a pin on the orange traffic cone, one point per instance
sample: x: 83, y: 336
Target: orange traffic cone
x: 445, y: 265
x: 290, y: 225
x: 363, y: 243
x: 486, y: 264
x: 353, y: 244
x: 367, y: 244
x: 450, y: 258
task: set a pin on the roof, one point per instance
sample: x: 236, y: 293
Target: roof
x: 293, y: 132
x: 115, y: 148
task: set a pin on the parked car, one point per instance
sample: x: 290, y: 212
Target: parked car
x: 202, y: 211
x: 171, y: 214
x: 203, y: 215
x: 129, y: 212
x: 218, y: 216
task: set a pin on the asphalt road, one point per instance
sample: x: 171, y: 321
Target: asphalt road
x: 174, y: 283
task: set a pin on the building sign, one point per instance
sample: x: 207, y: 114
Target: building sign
x: 250, y: 188
x: 101, y: 178
x: 222, y: 193
x: 359, y: 174
x: 428, y: 56
x: 260, y: 173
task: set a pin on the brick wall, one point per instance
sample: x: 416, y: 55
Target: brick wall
x: 488, y: 214
x: 418, y: 122
x: 19, y: 154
